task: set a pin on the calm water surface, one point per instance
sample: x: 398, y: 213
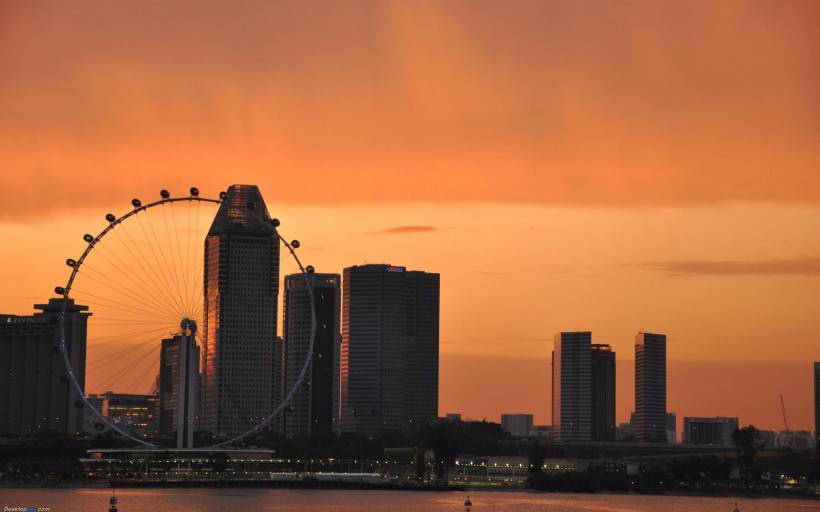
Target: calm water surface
x: 252, y: 500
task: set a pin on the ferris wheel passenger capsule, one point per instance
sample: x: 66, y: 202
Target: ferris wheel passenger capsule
x: 70, y: 262
x: 295, y: 244
x: 110, y: 217
x: 88, y: 238
x: 164, y: 194
x: 136, y: 203
x: 194, y: 191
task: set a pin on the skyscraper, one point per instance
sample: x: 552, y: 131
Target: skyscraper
x: 35, y: 392
x: 241, y: 287
x: 315, y: 405
x: 572, y: 386
x: 389, y: 353
x: 650, y: 387
x: 171, y: 382
x: 602, y: 362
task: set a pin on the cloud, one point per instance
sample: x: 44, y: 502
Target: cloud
x: 406, y: 230
x: 532, y: 102
x: 805, y: 266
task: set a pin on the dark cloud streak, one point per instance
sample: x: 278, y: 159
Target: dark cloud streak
x: 805, y: 266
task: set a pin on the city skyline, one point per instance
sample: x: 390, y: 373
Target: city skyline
x: 613, y: 168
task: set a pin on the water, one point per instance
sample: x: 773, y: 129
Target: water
x: 253, y: 500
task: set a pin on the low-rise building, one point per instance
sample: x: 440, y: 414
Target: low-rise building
x: 709, y: 431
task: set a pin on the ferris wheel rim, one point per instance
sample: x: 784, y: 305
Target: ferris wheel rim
x: 75, y: 265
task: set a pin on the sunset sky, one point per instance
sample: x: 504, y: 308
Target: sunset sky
x: 603, y: 166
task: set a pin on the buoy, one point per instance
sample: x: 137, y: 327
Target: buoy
x: 113, y: 502
x: 468, y: 504
x: 737, y: 509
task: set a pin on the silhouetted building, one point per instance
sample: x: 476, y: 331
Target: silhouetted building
x: 170, y: 382
x: 572, y: 386
x: 602, y: 362
x: 715, y: 431
x: 517, y: 425
x: 817, y: 400
x: 389, y: 353
x: 650, y: 387
x: 130, y: 412
x: 241, y: 287
x: 35, y: 391
x: 278, y: 393
x: 671, y: 428
x: 314, y: 407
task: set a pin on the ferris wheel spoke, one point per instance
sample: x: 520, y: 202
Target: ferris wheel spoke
x: 171, y: 256
x: 120, y: 337
x: 111, y: 359
x: 141, y: 260
x: 162, y: 266
x: 135, y: 312
x: 182, y: 270
x: 141, y: 372
x: 116, y: 372
x: 147, y: 307
x: 166, y: 257
x: 131, y: 277
x: 122, y: 295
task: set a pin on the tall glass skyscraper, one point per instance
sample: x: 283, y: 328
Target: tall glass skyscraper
x: 389, y: 353
x: 650, y: 387
x: 241, y: 286
x: 314, y: 408
x: 572, y: 386
x: 602, y: 362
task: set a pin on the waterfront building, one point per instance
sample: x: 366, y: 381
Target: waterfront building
x: 671, y: 428
x: 602, y: 364
x: 709, y: 431
x: 650, y: 387
x: 517, y: 425
x: 314, y: 407
x: 131, y: 412
x: 241, y: 291
x: 572, y: 386
x: 389, y: 353
x: 35, y: 391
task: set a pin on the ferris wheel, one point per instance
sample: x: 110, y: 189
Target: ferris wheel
x: 142, y: 279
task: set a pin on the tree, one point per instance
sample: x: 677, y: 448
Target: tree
x: 747, y: 444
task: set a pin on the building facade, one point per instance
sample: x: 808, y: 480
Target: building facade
x: 572, y: 386
x: 241, y: 288
x: 389, y: 353
x: 130, y: 412
x: 710, y: 431
x: 650, y: 387
x: 35, y: 392
x: 314, y: 408
x: 170, y: 383
x: 602, y: 362
x: 517, y: 425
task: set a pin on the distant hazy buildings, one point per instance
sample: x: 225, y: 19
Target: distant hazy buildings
x: 35, y: 392
x: 315, y: 405
x: 602, y: 362
x: 710, y: 431
x: 173, y: 384
x: 572, y: 386
x: 650, y: 387
x: 241, y: 286
x: 517, y: 425
x: 389, y: 353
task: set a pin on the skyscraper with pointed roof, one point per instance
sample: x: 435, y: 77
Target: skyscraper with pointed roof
x: 241, y: 287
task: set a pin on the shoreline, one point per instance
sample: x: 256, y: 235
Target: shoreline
x: 362, y: 486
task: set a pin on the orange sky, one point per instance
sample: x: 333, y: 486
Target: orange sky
x: 599, y: 166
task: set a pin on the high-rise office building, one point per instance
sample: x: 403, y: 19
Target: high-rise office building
x: 314, y: 407
x: 650, y: 387
x: 241, y: 288
x: 817, y: 400
x: 602, y: 362
x: 171, y: 382
x: 572, y: 386
x: 35, y: 392
x: 389, y: 352
x: 715, y: 431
